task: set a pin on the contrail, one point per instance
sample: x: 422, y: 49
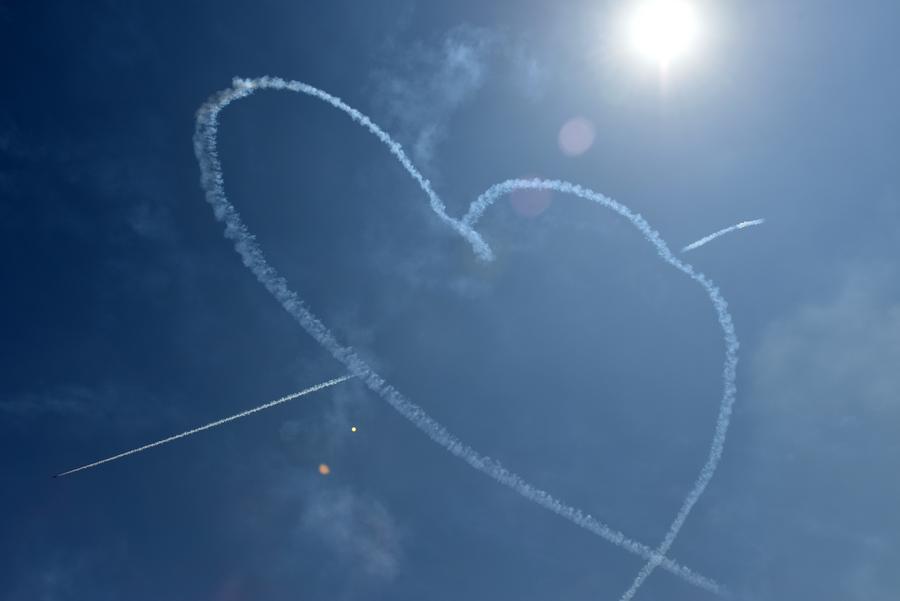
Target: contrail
x: 214, y: 424
x: 205, y: 148
x: 715, y: 235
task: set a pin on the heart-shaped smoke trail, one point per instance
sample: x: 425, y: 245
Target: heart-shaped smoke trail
x: 252, y: 256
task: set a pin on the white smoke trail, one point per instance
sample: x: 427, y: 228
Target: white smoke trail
x: 245, y: 244
x: 722, y: 232
x: 214, y: 424
x: 729, y: 371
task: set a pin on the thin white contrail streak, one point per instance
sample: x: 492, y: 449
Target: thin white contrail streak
x: 722, y: 232
x: 205, y: 148
x: 214, y: 424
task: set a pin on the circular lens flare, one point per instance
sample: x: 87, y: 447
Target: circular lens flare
x: 576, y: 136
x: 664, y: 30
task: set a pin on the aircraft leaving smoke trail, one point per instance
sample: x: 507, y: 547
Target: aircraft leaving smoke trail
x: 722, y: 232
x: 205, y: 148
x: 214, y: 424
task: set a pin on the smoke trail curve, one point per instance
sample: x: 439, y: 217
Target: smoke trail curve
x: 214, y: 424
x: 722, y: 232
x: 729, y: 371
x: 212, y: 181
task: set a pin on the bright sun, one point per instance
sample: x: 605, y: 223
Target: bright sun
x: 663, y: 30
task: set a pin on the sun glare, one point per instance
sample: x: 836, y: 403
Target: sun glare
x: 664, y: 30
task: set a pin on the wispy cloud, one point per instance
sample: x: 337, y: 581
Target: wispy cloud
x: 426, y: 84
x: 824, y: 414
x: 68, y: 401
x: 68, y: 574
x: 835, y: 361
x: 84, y: 410
x: 71, y: 401
x: 420, y: 92
x: 528, y: 74
x: 358, y: 529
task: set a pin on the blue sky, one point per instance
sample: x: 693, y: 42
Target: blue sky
x: 577, y: 358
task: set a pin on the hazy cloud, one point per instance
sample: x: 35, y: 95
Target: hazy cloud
x: 824, y: 409
x: 835, y: 362
x: 108, y: 406
x: 70, y: 574
x: 527, y: 73
x: 426, y: 84
x: 359, y: 530
x: 425, y: 89
x: 150, y: 220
